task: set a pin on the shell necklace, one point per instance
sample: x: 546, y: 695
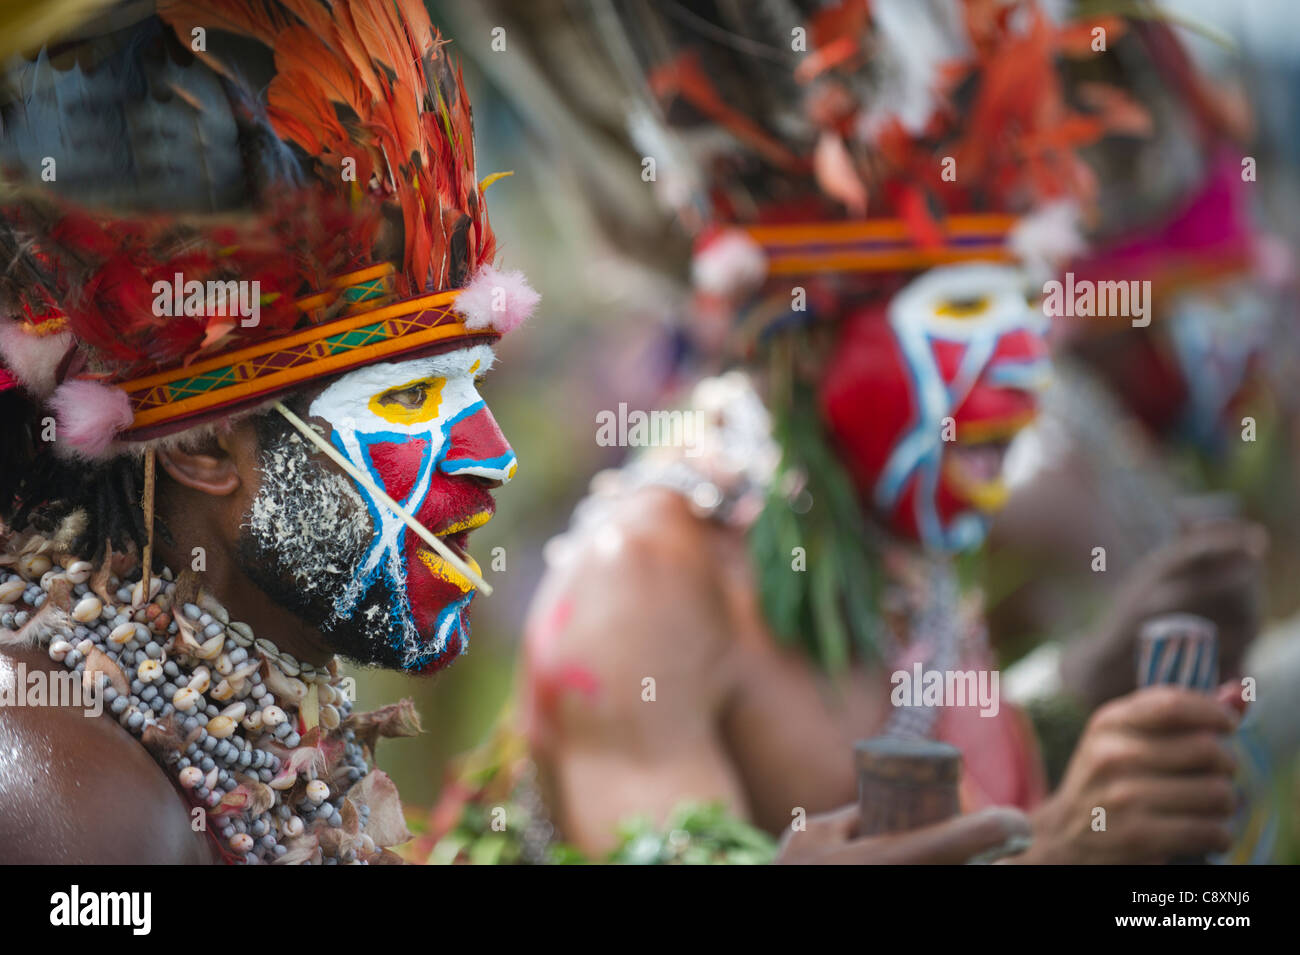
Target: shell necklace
x: 266, y: 745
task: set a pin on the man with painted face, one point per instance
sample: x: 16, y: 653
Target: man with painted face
x: 950, y: 373
x: 725, y: 619
x: 239, y: 365
x: 328, y: 548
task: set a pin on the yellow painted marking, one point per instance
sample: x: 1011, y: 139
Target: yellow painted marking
x: 444, y: 571
x: 963, y: 309
x: 978, y: 432
x: 468, y: 523
x: 988, y: 496
x: 398, y: 414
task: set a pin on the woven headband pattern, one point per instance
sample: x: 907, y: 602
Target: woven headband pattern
x: 372, y: 328
x: 882, y: 245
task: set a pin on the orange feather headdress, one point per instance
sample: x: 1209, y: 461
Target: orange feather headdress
x: 264, y: 192
x: 866, y: 138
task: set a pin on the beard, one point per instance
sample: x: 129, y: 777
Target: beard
x: 303, y: 544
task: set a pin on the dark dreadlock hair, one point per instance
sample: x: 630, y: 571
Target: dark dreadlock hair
x: 40, y: 489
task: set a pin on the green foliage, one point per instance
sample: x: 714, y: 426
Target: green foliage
x: 475, y: 842
x: 695, y: 834
x: 828, y: 609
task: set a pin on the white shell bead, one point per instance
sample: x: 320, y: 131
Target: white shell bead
x: 317, y: 791
x: 137, y: 592
x: 87, y: 609
x: 186, y: 698
x: 224, y: 666
x: 293, y: 826
x: 59, y: 649
x: 273, y: 716
x: 241, y: 633
x: 241, y: 842
x: 223, y: 691
x: 221, y: 726
x: 122, y: 633
x: 329, y: 717
x: 235, y: 711
x: 218, y: 612
x: 150, y: 671
x: 244, y: 671
x: 33, y: 566
x: 212, y: 648
x: 12, y: 590
x: 201, y: 680
x: 191, y: 776
x: 79, y: 571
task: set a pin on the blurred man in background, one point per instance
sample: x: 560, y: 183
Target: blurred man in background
x: 725, y: 619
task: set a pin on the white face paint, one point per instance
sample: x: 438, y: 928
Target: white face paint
x: 977, y: 307
x: 420, y: 430
x: 353, y: 402
x: 313, y: 517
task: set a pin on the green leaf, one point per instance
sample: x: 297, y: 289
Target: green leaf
x: 488, y: 849
x: 832, y: 637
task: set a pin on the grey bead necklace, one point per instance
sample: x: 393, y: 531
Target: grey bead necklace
x: 223, y: 712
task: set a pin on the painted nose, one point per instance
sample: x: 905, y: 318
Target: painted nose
x: 477, y: 448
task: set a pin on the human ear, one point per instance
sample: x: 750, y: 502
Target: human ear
x: 211, y: 468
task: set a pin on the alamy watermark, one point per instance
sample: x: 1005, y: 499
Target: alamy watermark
x: 1085, y: 298
x: 132, y: 910
x: 234, y: 299
x: 922, y: 687
x: 648, y: 429
x: 65, y: 688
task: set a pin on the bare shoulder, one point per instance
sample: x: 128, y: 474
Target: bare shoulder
x: 653, y: 529
x: 639, y: 595
x: 79, y: 789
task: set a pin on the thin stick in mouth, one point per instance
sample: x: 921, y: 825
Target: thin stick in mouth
x: 443, y: 551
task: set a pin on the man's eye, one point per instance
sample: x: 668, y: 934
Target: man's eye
x: 410, y: 398
x: 963, y: 307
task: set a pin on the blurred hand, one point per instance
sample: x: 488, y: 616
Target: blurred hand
x: 832, y: 839
x: 1156, y: 762
x: 1213, y: 570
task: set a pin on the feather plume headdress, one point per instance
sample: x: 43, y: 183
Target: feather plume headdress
x: 209, y: 202
x: 867, y: 140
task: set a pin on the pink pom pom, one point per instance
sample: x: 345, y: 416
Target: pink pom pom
x: 32, y: 359
x: 728, y: 263
x: 89, y: 416
x: 496, y: 300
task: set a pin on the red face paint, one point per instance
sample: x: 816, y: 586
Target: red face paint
x: 456, y: 500
x: 921, y: 396
x: 426, y: 438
